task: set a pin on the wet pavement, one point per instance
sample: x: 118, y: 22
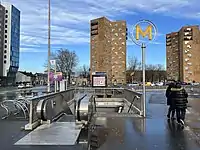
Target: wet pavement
x: 154, y: 132
x: 126, y: 133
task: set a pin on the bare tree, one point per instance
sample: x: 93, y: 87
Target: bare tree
x: 66, y: 61
x: 133, y: 63
x: 84, y: 72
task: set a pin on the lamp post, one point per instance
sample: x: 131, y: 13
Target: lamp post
x: 49, y: 44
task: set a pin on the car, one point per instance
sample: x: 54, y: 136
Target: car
x: 28, y: 85
x: 21, y: 86
x: 159, y: 84
x: 133, y: 84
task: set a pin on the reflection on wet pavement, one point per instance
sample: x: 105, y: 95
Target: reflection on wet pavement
x: 154, y: 132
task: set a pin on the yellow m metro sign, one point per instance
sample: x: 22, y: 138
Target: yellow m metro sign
x: 148, y: 32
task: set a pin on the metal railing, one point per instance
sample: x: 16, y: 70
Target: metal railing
x: 57, y: 99
x: 127, y: 94
x: 15, y: 107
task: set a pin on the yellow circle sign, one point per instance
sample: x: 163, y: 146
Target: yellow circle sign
x: 138, y: 35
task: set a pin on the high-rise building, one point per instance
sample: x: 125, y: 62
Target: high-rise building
x: 183, y: 51
x: 2, y: 14
x: 108, y: 49
x: 11, y: 42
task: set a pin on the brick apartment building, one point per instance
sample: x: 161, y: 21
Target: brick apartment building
x: 108, y: 49
x: 183, y: 54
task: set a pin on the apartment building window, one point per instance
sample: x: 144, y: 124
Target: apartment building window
x: 5, y: 46
x: 6, y: 11
x: 6, y: 21
x: 6, y: 31
x: 5, y: 36
x: 5, y: 51
x: 186, y: 42
x: 6, y: 16
x: 5, y: 56
x: 4, y: 61
x: 116, y: 34
x: 5, y: 41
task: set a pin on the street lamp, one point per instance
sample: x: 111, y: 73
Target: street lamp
x: 49, y: 44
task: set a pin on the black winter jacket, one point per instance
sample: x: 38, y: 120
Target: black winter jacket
x: 178, y: 98
x: 167, y: 94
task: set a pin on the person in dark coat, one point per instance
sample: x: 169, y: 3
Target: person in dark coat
x: 179, y: 96
x: 171, y: 110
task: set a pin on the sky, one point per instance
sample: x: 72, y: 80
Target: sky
x: 70, y: 26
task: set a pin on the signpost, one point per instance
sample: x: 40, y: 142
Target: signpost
x: 151, y: 32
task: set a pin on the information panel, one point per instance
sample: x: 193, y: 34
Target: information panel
x: 99, y: 81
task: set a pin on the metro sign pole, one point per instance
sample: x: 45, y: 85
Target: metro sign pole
x: 135, y: 37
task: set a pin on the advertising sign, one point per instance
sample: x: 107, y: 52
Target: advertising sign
x: 58, y: 76
x: 99, y: 81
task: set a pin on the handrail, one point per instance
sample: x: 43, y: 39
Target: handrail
x: 135, y: 97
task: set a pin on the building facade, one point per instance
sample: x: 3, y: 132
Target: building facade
x: 108, y: 49
x: 183, y: 51
x: 11, y: 43
x: 2, y: 14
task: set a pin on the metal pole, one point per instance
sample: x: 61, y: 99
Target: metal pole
x: 143, y: 72
x: 56, y: 77
x: 49, y: 48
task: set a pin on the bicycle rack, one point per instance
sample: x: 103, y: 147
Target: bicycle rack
x: 19, y: 105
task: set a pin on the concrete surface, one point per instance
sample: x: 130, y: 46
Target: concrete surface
x: 125, y: 133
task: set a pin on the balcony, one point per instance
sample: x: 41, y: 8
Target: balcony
x: 94, y: 22
x: 95, y: 27
x: 186, y: 42
x: 168, y: 43
x: 189, y: 46
x: 187, y: 29
x: 168, y: 36
x: 168, y: 40
x: 186, y: 59
x: 188, y: 34
x: 95, y: 32
x: 187, y: 38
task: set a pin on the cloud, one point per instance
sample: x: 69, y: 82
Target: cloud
x: 70, y: 18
